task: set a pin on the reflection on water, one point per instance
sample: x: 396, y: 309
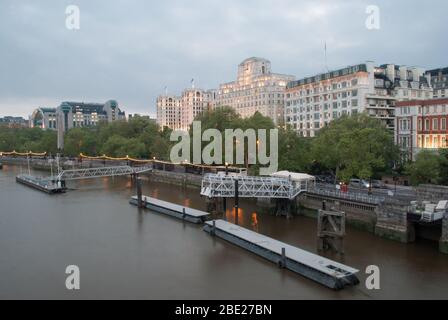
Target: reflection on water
x: 126, y: 252
x: 254, y: 221
x: 155, y: 193
x: 237, y: 219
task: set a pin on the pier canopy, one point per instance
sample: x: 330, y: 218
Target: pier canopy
x: 302, y: 180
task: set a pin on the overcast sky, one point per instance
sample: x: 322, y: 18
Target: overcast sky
x: 129, y: 50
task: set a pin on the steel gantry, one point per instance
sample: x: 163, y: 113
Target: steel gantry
x: 223, y: 186
x: 91, y: 173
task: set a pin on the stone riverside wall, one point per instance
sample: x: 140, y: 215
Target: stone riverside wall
x: 443, y: 243
x: 387, y: 220
x: 361, y: 216
x: 45, y: 164
x: 392, y: 222
x: 176, y: 178
x: 435, y: 193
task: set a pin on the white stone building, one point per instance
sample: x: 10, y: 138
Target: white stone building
x: 313, y: 102
x: 256, y: 89
x: 178, y: 112
x: 439, y: 82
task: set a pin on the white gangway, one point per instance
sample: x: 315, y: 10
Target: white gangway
x: 283, y: 184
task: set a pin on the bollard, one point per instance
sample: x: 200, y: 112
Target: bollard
x: 183, y: 214
x: 139, y: 192
x: 282, y: 262
x: 236, y: 201
x: 213, y: 232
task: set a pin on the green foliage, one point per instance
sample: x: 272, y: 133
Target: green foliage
x: 81, y: 140
x: 293, y: 151
x: 220, y: 118
x: 118, y: 146
x: 27, y: 139
x: 428, y: 167
x: 444, y: 167
x: 138, y: 138
x: 354, y: 146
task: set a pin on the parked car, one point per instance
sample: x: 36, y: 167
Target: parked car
x: 324, y: 178
x: 359, y: 183
x: 378, y: 184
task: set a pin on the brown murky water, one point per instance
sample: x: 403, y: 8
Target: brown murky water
x: 123, y: 252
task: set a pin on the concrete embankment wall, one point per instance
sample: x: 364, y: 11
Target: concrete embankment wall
x: 436, y: 193
x: 443, y: 243
x: 361, y: 216
x: 387, y: 220
x: 177, y: 178
x: 392, y: 222
x: 45, y: 165
x: 34, y: 164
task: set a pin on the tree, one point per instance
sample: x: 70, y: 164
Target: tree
x: 356, y: 145
x: 81, y: 140
x: 293, y: 151
x: 443, y: 167
x: 118, y: 146
x: 220, y: 118
x: 425, y: 169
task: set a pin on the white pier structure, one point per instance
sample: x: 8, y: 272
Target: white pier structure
x: 330, y: 273
x: 431, y: 212
x: 91, y: 173
x: 280, y: 185
x: 171, y: 209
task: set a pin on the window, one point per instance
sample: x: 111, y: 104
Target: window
x: 435, y: 124
x: 443, y: 126
x: 427, y: 128
x: 420, y: 125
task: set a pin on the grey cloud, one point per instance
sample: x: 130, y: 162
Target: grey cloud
x: 131, y: 50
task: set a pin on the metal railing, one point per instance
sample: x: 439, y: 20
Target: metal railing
x: 219, y: 185
x: 91, y: 173
x: 351, y: 196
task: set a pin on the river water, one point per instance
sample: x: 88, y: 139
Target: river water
x: 127, y: 253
